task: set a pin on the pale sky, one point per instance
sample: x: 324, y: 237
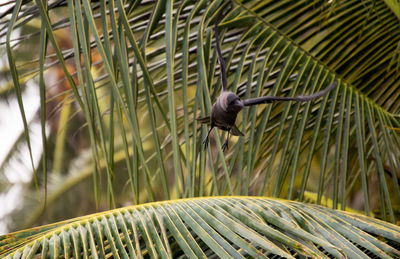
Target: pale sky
x: 18, y: 170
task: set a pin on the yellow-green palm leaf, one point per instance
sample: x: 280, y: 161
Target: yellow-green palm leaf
x: 207, y: 227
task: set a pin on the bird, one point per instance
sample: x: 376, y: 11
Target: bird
x: 228, y: 104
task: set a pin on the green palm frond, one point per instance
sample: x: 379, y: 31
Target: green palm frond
x: 206, y: 227
x: 210, y: 226
x: 158, y: 72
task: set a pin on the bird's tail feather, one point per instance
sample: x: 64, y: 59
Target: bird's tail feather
x: 235, y: 131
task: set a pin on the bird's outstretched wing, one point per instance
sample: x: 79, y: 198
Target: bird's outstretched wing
x: 218, y: 48
x: 204, y: 119
x: 299, y: 98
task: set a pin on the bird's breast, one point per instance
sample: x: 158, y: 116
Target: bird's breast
x: 222, y: 118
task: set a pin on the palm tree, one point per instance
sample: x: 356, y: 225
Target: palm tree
x: 136, y: 75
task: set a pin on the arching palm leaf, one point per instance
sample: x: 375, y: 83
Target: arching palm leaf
x: 206, y: 227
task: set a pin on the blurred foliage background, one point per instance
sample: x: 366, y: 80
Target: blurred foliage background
x: 121, y: 83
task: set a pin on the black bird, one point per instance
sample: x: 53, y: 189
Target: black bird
x: 228, y: 104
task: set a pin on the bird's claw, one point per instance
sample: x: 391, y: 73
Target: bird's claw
x: 205, y: 142
x: 225, y: 145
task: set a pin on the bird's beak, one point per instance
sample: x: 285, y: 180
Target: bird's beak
x: 239, y: 103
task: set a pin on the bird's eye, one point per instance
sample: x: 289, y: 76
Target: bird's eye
x: 232, y: 101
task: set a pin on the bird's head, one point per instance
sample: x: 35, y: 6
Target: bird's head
x: 233, y: 103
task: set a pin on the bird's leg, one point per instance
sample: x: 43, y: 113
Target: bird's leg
x: 205, y: 141
x: 225, y: 145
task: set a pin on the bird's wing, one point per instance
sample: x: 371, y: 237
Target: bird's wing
x: 299, y: 98
x: 218, y: 48
x: 235, y: 131
x: 204, y: 119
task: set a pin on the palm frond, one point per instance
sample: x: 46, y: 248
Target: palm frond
x: 204, y: 227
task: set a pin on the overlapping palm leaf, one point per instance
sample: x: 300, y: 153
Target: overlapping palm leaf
x: 207, y: 227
